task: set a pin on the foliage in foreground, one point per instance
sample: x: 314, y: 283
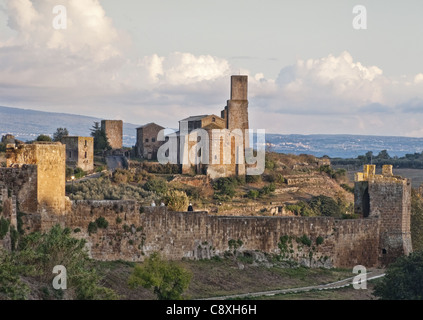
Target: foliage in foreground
x: 168, y: 280
x: 403, y: 279
x: 37, y: 255
x: 416, y: 220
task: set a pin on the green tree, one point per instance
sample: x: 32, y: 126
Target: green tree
x: 403, y: 279
x: 416, y: 220
x: 369, y: 157
x: 43, y: 137
x: 168, y: 280
x: 59, y: 134
x: 383, y: 155
x: 100, y: 139
x: 326, y: 206
x: 11, y: 285
x: 43, y: 251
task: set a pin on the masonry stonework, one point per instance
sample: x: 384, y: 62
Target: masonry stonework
x: 388, y: 198
x: 49, y: 159
x: 132, y: 235
x: 147, y: 144
x: 79, y: 152
x: 114, y: 132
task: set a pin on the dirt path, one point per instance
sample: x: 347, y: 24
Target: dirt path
x: 329, y: 286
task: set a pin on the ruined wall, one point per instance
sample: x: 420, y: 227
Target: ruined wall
x: 134, y: 233
x: 50, y: 159
x: 80, y: 152
x: 114, y: 132
x: 387, y: 197
x: 392, y: 202
x: 122, y: 239
x: 198, y: 235
x: 21, y: 183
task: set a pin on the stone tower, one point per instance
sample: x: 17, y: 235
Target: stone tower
x: 236, y: 110
x: 114, y: 132
x: 49, y: 181
x: 388, y: 198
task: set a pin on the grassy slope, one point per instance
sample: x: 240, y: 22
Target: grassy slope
x: 216, y: 278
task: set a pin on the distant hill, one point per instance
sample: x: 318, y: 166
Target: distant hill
x: 27, y: 124
x: 343, y: 145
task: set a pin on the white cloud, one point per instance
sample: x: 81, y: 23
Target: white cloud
x: 87, y: 69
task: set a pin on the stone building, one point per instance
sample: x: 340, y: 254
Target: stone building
x: 388, y: 198
x: 114, y: 132
x: 34, y: 183
x: 147, y: 144
x: 79, y: 152
x: 10, y: 139
x: 35, y: 174
x: 226, y: 149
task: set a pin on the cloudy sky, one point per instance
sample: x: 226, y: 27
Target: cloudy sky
x: 309, y: 70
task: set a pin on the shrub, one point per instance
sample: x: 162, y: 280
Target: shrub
x: 304, y: 240
x: 43, y: 137
x: 326, y: 206
x: 253, y: 194
x: 253, y: 178
x: 76, y: 230
x: 177, y: 200
x: 4, y: 227
x: 118, y: 220
x: 403, y: 279
x: 275, y: 177
x: 40, y: 252
x: 266, y: 190
x: 269, y: 164
x: 123, y: 176
x: 20, y: 222
x: 101, y: 223
x: 225, y: 186
x: 416, y: 220
x: 347, y: 188
x: 103, y: 189
x: 168, y: 280
x: 69, y: 172
x: 319, y: 240
x: 158, y: 186
x: 92, y: 228
x: 79, y: 173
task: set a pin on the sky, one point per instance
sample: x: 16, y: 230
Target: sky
x: 310, y: 70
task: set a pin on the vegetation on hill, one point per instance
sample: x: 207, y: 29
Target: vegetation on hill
x: 100, y: 139
x: 34, y: 258
x: 412, y: 160
x: 168, y: 280
x: 403, y: 279
x: 44, y: 138
x: 416, y: 220
x: 59, y: 134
